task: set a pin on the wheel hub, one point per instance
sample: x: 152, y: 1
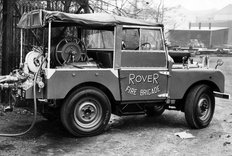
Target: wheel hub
x: 87, y: 111
x: 87, y: 114
x: 203, y: 108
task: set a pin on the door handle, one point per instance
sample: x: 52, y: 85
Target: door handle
x: 123, y: 77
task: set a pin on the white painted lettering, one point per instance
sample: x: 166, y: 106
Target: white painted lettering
x: 131, y: 78
x: 152, y: 78
x: 130, y: 90
x: 147, y: 92
x: 155, y: 77
x: 138, y: 78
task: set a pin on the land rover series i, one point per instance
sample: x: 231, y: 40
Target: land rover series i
x: 92, y: 65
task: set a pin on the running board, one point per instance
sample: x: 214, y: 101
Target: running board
x: 132, y: 113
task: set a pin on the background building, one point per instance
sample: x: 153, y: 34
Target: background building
x: 200, y: 37
x: 211, y: 31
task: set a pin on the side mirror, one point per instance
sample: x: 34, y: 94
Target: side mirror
x: 219, y: 63
x: 167, y: 44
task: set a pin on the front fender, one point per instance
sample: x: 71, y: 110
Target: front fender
x: 182, y: 79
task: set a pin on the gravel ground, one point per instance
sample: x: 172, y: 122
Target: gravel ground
x: 132, y: 135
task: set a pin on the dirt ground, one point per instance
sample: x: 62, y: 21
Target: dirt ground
x: 132, y: 135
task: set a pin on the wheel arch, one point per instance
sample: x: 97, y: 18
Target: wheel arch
x: 211, y: 84
x: 103, y: 88
x: 203, y: 82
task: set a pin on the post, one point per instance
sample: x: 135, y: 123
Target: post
x: 210, y: 39
x: 21, y: 47
x: 190, y: 25
x: 7, y: 40
x: 200, y: 26
x: 49, y: 43
x: 7, y: 37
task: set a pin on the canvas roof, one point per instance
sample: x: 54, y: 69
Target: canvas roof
x: 40, y: 18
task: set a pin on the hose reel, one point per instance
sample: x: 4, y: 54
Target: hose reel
x: 70, y: 50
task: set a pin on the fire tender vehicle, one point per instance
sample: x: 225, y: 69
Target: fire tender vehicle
x: 92, y: 65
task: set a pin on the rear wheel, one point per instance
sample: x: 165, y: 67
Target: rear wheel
x: 199, y: 106
x: 86, y: 112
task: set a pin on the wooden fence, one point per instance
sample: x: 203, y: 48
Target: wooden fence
x: 10, y: 51
x: 1, y: 23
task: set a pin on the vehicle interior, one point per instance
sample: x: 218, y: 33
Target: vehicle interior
x: 79, y: 48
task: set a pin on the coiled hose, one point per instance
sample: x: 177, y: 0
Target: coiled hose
x: 35, y: 106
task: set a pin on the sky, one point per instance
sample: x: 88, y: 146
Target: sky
x: 199, y: 4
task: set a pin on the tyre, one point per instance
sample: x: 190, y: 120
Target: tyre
x: 199, y: 106
x: 86, y: 112
x: 155, y: 110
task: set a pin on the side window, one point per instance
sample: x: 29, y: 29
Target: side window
x: 142, y: 47
x: 142, y: 39
x: 130, y: 39
x: 151, y: 39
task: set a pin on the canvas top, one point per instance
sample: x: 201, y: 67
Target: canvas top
x: 40, y: 18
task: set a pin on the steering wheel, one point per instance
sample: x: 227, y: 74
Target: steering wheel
x: 69, y: 50
x: 144, y: 46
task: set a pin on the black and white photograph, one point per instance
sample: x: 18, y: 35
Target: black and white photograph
x: 115, y: 77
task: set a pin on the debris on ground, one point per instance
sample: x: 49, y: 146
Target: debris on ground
x: 226, y: 143
x: 228, y: 121
x: 184, y: 135
x: 2, y: 113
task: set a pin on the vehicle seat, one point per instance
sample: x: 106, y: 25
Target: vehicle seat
x: 105, y: 59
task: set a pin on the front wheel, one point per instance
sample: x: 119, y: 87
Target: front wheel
x: 199, y: 106
x: 86, y: 112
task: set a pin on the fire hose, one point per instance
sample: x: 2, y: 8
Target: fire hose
x: 35, y: 106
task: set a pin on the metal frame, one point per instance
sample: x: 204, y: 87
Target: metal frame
x: 150, y: 51
x: 144, y: 27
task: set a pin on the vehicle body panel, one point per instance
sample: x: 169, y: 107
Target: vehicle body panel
x: 143, y: 59
x: 182, y: 79
x: 143, y: 84
x: 61, y: 81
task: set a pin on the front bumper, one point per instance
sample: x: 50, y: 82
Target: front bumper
x: 221, y: 95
